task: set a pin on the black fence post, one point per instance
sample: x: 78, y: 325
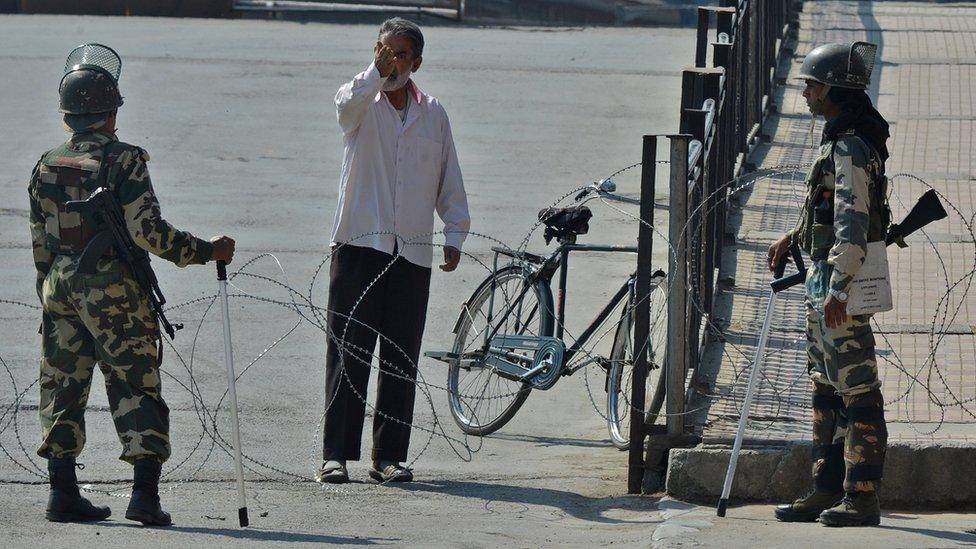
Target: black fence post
x: 722, y: 111
x: 711, y: 80
x: 693, y: 124
x: 642, y: 328
x: 701, y: 44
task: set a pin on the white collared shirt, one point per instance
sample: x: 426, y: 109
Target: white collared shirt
x: 395, y: 173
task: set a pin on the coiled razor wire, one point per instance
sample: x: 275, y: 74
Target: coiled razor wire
x: 211, y: 441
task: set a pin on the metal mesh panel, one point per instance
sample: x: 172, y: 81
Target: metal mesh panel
x: 95, y: 55
x: 862, y: 53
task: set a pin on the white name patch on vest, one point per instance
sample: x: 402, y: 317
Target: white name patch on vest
x: 870, y: 291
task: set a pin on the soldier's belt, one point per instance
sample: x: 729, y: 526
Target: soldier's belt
x: 107, y: 254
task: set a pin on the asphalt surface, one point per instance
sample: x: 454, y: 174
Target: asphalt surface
x: 749, y: 526
x: 238, y: 119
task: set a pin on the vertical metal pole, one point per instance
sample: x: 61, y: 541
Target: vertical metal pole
x: 708, y: 223
x: 645, y: 237
x: 740, y: 70
x: 701, y: 45
x: 561, y: 293
x: 491, y: 302
x: 677, y: 350
x: 688, y: 78
x: 759, y: 53
x: 229, y: 360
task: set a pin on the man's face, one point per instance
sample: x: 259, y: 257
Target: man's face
x: 405, y: 63
x: 815, y: 95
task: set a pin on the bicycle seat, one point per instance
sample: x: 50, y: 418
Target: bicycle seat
x: 564, y: 222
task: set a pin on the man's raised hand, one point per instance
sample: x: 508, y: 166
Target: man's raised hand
x: 384, y: 59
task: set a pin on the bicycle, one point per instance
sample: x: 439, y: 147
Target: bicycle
x: 502, y: 357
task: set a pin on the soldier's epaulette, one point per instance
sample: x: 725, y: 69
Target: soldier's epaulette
x: 142, y: 152
x: 133, y: 151
x: 47, y: 155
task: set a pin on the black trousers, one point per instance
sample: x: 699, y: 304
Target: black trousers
x: 391, y: 303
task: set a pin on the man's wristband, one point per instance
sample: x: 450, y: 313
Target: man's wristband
x: 839, y: 296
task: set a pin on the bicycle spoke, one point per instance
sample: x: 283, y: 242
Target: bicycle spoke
x: 481, y: 397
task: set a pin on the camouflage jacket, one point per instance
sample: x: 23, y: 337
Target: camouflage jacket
x: 852, y: 175
x: 70, y: 172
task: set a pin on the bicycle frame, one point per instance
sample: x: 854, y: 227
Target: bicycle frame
x: 559, y: 259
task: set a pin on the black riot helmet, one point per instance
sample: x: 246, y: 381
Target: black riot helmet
x: 90, y: 84
x: 840, y: 65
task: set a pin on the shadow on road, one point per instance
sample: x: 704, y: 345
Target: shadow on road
x: 553, y: 441
x: 262, y: 535
x: 962, y: 538
x: 576, y: 505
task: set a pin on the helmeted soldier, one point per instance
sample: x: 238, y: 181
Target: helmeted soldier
x: 103, y: 316
x: 845, y: 208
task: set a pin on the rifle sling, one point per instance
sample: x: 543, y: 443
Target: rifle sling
x: 126, y: 249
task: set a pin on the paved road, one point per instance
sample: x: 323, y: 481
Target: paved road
x: 238, y: 119
x: 749, y: 526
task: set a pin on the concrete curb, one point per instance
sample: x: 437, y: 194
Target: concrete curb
x: 917, y: 476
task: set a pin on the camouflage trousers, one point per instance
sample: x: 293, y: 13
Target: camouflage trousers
x: 849, y: 431
x: 103, y: 318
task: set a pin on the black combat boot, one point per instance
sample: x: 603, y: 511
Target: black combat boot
x: 808, y: 508
x: 65, y: 503
x: 856, y: 509
x: 144, y: 505
x: 828, y: 480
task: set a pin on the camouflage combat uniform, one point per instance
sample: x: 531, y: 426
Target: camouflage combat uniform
x: 847, y: 182
x: 103, y: 317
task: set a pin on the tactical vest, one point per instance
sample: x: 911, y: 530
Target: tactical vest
x: 65, y: 175
x: 816, y: 231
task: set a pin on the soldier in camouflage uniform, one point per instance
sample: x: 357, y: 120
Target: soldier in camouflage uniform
x: 846, y: 207
x: 103, y: 317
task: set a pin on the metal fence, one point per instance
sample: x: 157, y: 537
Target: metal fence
x: 724, y: 100
x: 446, y: 8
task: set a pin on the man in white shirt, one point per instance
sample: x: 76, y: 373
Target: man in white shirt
x: 399, y: 166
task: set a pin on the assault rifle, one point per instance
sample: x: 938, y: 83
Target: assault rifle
x: 104, y: 206
x: 925, y: 211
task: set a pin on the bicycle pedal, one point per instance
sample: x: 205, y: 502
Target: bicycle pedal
x: 443, y: 356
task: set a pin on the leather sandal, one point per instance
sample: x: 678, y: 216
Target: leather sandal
x: 332, y: 472
x: 390, y: 472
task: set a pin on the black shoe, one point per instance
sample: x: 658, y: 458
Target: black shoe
x: 65, y: 503
x: 856, y: 509
x: 807, y: 509
x: 144, y: 505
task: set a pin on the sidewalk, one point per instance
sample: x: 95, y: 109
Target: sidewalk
x: 924, y: 85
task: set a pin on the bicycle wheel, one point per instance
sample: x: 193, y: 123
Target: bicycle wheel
x: 482, y: 401
x: 620, y: 376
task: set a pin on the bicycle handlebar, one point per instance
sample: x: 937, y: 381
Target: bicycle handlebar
x: 605, y: 189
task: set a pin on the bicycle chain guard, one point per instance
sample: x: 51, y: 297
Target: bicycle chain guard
x: 547, y: 361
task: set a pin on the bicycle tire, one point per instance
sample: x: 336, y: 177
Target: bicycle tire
x: 622, y: 361
x: 462, y: 412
